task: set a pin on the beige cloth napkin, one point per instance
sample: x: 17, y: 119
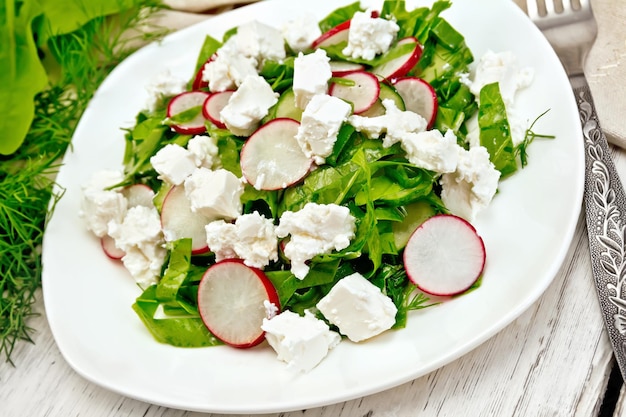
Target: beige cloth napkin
x: 605, y: 69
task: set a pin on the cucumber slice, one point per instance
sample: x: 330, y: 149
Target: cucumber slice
x: 286, y: 107
x: 416, y: 213
x: 386, y: 92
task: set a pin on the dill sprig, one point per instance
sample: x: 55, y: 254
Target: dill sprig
x: 27, y: 188
x: 529, y: 137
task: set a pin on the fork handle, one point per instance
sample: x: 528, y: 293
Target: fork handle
x: 605, y: 207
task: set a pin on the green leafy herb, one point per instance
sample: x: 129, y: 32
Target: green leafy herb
x: 530, y: 135
x: 53, y: 56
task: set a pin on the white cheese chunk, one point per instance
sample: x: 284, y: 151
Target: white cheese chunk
x: 321, y: 120
x: 310, y: 76
x: 300, y: 341
x: 358, y: 308
x: 471, y: 187
x: 248, y: 105
x: 504, y: 69
x: 396, y: 124
x: 369, y: 36
x: 165, y: 84
x: 99, y: 205
x: 173, y: 163
x: 228, y: 69
x: 214, y: 194
x: 260, y: 41
x: 252, y: 238
x: 314, y: 230
x: 433, y: 151
x: 205, y: 151
x: 139, y: 236
x: 299, y: 33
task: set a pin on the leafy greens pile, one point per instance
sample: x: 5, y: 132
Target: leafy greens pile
x: 377, y: 184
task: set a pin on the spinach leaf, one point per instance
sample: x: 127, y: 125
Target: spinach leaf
x: 495, y: 132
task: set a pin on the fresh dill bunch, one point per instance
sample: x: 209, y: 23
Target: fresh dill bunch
x: 83, y: 59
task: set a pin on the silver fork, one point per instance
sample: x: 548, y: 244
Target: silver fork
x: 571, y: 30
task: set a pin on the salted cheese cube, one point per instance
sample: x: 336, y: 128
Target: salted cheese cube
x: 310, y: 76
x: 301, y: 341
x: 358, y: 308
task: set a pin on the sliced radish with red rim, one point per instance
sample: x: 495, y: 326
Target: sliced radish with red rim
x: 339, y: 68
x: 419, y: 97
x: 198, y: 83
x: 213, y: 106
x: 333, y: 36
x: 138, y: 195
x: 444, y: 256
x: 178, y: 221
x: 231, y: 302
x: 188, y: 101
x: 362, y: 92
x: 400, y: 66
x: 110, y: 249
x: 272, y: 158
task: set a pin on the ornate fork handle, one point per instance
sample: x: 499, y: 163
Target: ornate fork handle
x: 605, y: 207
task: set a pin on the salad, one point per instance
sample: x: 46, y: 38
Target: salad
x: 313, y: 182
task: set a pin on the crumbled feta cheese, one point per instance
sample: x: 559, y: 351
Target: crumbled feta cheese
x: 163, y: 85
x: 504, y: 69
x: 99, y: 206
x: 472, y: 186
x: 252, y: 238
x: 369, y: 36
x: 139, y: 236
x: 395, y: 123
x: 299, y: 33
x: 173, y: 163
x: 205, y: 151
x: 433, y: 151
x: 301, y: 341
x: 271, y: 310
x: 214, y: 194
x: 260, y: 41
x: 228, y: 69
x: 321, y: 120
x: 314, y: 230
x: 358, y: 308
x: 248, y: 105
x: 311, y: 73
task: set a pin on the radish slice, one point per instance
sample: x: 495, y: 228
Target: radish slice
x: 186, y: 101
x: 231, y: 302
x: 363, y: 94
x: 419, y: 97
x: 139, y: 195
x: 272, y: 158
x: 333, y: 36
x: 444, y: 256
x: 178, y: 221
x: 340, y: 68
x: 198, y: 83
x: 213, y: 106
x: 109, y: 248
x: 400, y: 66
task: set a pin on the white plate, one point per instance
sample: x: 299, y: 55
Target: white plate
x: 527, y: 232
